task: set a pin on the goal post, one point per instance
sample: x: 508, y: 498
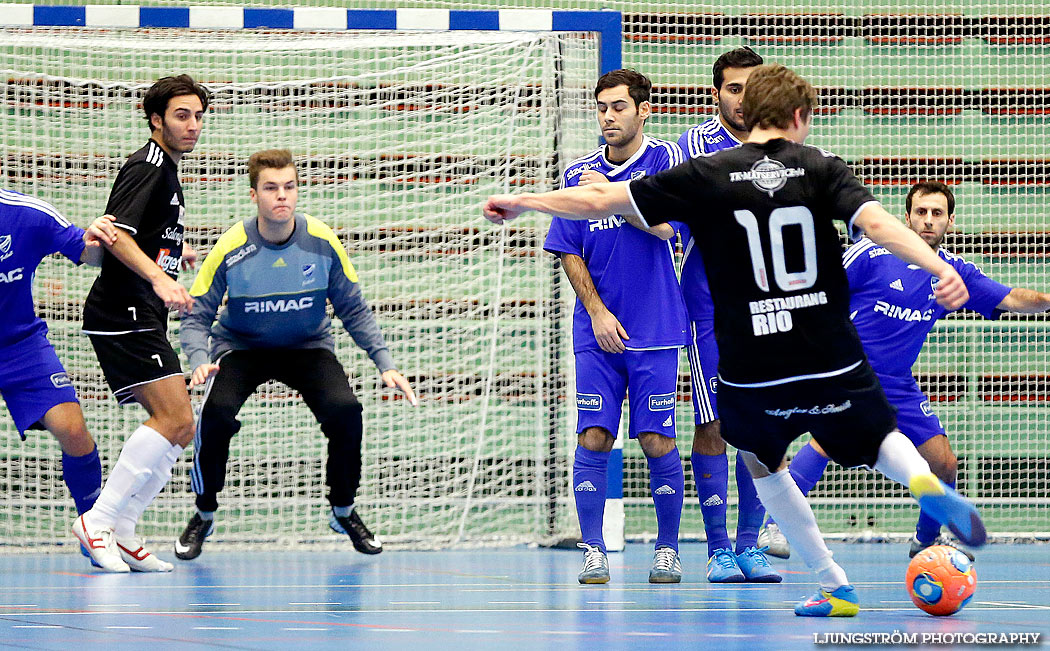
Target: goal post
x: 401, y: 122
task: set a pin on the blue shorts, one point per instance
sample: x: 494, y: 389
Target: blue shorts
x: 703, y: 370
x: 32, y: 381
x: 915, y: 417
x: 648, y: 377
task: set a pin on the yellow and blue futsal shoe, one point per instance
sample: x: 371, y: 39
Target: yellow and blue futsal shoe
x: 840, y: 603
x: 949, y: 508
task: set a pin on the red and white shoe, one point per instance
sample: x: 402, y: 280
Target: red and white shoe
x: 139, y: 559
x: 100, y: 543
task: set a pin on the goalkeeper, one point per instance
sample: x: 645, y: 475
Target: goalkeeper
x: 278, y: 269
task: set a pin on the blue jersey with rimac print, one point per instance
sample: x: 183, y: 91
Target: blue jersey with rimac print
x: 633, y: 271
x: 30, y: 229
x: 702, y: 140
x: 893, y: 308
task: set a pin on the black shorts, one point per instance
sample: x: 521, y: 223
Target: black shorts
x: 848, y: 415
x: 133, y: 359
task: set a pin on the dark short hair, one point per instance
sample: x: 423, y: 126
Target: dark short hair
x: 160, y: 93
x: 742, y: 57
x: 931, y: 187
x: 638, y: 85
x: 772, y: 95
x: 276, y: 159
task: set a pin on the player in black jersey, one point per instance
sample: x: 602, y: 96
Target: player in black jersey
x: 790, y: 361
x: 126, y: 317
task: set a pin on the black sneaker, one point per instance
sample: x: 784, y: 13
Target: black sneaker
x: 352, y: 526
x: 189, y: 544
x: 941, y: 539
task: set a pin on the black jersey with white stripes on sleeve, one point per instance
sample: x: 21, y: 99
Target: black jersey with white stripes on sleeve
x: 763, y: 217
x: 147, y: 202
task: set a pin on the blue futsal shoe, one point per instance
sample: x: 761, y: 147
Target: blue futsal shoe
x: 842, y: 602
x: 949, y: 508
x: 755, y: 566
x: 85, y: 554
x: 723, y: 568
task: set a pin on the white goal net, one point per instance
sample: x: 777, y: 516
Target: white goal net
x: 399, y: 136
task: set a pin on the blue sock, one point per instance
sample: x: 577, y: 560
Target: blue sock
x: 83, y: 477
x: 806, y: 468
x: 711, y: 473
x: 927, y: 529
x: 590, y: 482
x: 667, y: 484
x: 750, y: 510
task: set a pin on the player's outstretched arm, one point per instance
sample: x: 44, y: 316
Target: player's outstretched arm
x: 174, y: 295
x: 596, y: 201
x: 608, y: 331
x: 887, y: 231
x: 100, y: 232
x: 590, y: 177
x: 1025, y: 300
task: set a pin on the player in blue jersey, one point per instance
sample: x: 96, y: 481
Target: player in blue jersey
x: 33, y: 382
x: 279, y: 271
x: 893, y: 310
x: 723, y: 130
x: 628, y: 324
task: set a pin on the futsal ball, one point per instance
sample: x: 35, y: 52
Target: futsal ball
x: 941, y: 580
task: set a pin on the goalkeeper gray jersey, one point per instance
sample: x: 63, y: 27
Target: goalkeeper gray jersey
x: 277, y: 295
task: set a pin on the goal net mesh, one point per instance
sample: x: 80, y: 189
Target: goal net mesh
x: 399, y: 137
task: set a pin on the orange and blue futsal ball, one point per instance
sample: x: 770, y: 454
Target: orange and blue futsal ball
x: 941, y: 580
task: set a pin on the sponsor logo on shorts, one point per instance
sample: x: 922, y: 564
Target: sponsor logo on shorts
x: 668, y: 422
x: 661, y: 401
x: 60, y: 380
x: 712, y: 383
x: 816, y: 410
x: 588, y: 402
x: 927, y: 410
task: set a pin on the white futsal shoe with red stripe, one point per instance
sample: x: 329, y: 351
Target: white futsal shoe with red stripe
x: 139, y: 559
x: 100, y: 544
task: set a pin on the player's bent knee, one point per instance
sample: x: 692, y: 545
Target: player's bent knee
x: 596, y: 439
x: 707, y: 439
x: 654, y: 444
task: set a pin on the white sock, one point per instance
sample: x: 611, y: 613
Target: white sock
x: 133, y: 510
x: 143, y: 449
x: 899, y: 460
x: 789, y: 508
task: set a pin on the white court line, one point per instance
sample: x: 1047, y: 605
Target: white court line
x: 215, y: 604
x: 36, y: 626
x: 216, y: 628
x: 314, y: 603
x: 114, y: 605
x: 1006, y: 605
x: 19, y: 606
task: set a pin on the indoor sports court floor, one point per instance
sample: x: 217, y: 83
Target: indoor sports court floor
x: 479, y: 599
